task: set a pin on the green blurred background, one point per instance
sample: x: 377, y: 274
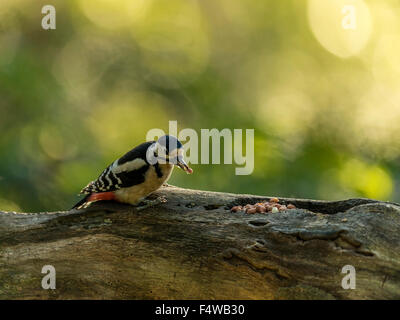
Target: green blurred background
x: 323, y: 100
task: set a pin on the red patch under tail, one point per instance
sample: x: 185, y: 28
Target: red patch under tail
x: 101, y: 196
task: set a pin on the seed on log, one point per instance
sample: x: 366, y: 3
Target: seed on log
x: 261, y: 209
x: 251, y: 211
x: 268, y: 208
x: 236, y: 208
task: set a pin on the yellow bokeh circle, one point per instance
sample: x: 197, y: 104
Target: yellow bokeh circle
x: 343, y: 27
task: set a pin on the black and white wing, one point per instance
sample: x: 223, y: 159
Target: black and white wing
x: 127, y: 171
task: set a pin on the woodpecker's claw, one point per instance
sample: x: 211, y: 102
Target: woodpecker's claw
x: 146, y: 203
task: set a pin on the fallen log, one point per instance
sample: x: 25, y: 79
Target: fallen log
x: 194, y: 247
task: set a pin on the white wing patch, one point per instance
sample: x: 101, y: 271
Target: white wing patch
x: 128, y: 166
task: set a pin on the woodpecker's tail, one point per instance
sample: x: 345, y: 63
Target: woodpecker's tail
x: 81, y: 202
x: 93, y: 197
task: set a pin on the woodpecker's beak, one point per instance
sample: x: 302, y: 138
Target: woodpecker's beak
x: 182, y: 164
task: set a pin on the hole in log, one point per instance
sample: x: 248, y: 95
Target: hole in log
x: 258, y: 223
x: 212, y: 206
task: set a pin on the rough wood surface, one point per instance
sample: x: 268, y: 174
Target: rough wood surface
x: 193, y: 247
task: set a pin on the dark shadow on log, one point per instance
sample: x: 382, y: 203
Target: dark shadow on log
x: 193, y: 247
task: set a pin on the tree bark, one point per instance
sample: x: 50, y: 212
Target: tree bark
x: 193, y: 247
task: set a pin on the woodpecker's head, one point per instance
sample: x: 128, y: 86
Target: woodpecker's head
x: 168, y: 149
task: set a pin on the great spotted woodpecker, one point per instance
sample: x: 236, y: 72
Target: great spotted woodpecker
x: 138, y: 173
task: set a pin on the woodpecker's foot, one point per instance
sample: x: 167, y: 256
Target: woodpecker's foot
x: 146, y: 203
x: 167, y: 185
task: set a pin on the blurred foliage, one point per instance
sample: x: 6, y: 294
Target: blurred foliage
x: 323, y: 100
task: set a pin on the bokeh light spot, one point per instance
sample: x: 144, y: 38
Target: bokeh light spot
x: 122, y: 121
x: 327, y: 19
x: 174, y: 42
x: 113, y: 14
x: 371, y: 181
x: 8, y: 205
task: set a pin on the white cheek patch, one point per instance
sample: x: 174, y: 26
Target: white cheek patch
x: 176, y: 153
x: 129, y: 166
